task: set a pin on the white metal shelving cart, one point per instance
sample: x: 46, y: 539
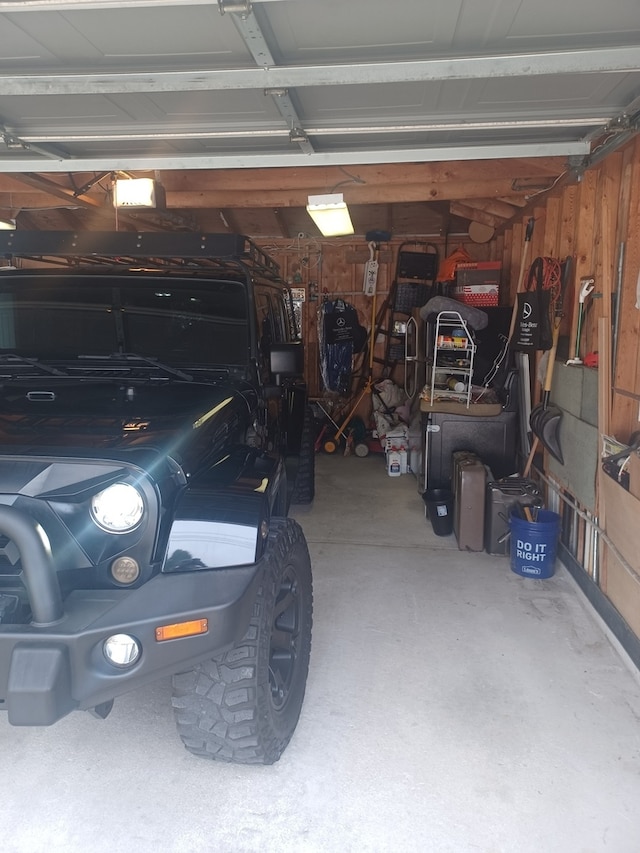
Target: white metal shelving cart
x: 451, y: 359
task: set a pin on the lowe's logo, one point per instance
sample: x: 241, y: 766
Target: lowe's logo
x: 531, y: 570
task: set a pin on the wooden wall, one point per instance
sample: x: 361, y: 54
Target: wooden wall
x: 335, y: 269
x: 597, y: 221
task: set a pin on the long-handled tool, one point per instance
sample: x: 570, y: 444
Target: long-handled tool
x: 545, y: 418
x: 586, y: 286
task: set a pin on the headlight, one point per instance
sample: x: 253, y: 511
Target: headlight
x: 117, y: 509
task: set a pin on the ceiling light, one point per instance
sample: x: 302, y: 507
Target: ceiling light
x: 135, y: 192
x: 331, y: 214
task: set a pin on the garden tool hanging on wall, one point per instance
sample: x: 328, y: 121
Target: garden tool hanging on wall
x: 586, y: 286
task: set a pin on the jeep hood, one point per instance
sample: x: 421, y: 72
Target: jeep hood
x: 190, y: 422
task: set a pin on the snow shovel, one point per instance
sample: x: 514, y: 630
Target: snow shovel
x: 545, y: 417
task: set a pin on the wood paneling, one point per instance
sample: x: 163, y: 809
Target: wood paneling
x: 626, y: 414
x: 584, y: 259
x: 597, y: 221
x: 335, y: 269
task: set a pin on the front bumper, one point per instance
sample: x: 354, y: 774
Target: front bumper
x: 56, y: 664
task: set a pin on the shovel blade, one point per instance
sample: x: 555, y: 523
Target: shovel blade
x: 545, y: 425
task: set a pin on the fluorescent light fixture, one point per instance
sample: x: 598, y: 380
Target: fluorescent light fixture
x: 7, y: 225
x: 331, y: 214
x: 135, y: 192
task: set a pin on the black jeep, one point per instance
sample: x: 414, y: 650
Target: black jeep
x: 154, y: 427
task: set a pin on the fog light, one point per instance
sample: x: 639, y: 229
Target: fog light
x: 125, y: 570
x: 121, y: 650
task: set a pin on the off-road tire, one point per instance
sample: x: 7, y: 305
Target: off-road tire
x: 243, y: 706
x: 304, y: 488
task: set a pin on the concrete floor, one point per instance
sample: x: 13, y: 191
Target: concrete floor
x: 451, y: 706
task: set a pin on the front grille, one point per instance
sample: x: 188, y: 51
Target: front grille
x: 10, y: 564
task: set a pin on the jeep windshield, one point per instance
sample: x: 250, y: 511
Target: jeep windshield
x: 175, y: 321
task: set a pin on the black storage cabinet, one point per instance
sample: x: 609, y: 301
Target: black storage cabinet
x: 492, y: 438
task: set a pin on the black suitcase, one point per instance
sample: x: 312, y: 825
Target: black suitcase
x: 502, y: 495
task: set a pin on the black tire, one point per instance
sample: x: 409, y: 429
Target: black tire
x: 244, y: 705
x: 305, y: 486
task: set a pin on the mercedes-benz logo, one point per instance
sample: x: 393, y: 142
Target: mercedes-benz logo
x: 526, y: 310
x: 340, y: 321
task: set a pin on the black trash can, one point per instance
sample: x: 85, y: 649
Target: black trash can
x: 439, y: 507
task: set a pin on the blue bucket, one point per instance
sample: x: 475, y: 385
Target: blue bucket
x: 533, y: 544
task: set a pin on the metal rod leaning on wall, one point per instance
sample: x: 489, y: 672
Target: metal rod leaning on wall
x: 593, y: 530
x: 593, y: 524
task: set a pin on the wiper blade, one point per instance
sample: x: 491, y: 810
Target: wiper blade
x: 145, y: 359
x: 23, y: 360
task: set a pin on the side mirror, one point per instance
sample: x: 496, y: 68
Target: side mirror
x: 286, y: 361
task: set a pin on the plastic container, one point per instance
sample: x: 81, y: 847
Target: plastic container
x: 534, y: 544
x: 439, y: 509
x: 394, y: 463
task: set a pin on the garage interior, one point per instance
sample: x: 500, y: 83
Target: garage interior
x: 445, y: 127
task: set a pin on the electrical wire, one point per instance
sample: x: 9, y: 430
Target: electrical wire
x: 547, y: 189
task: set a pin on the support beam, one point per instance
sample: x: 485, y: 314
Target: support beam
x: 155, y: 133
x: 73, y: 5
x: 33, y: 200
x: 132, y: 163
x: 323, y: 178
x: 475, y: 215
x: 490, y: 205
x: 257, y: 45
x: 598, y: 60
x: 375, y: 193
x: 51, y: 188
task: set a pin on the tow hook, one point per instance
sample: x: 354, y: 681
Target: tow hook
x: 102, y: 710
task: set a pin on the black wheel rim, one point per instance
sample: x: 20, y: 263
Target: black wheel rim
x: 285, y: 637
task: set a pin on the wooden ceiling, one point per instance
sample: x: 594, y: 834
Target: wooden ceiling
x: 430, y: 199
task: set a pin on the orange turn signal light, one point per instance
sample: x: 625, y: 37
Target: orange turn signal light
x: 182, y: 629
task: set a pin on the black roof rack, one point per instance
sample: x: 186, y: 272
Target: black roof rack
x: 157, y: 250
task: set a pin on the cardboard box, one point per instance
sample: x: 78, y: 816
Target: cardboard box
x: 621, y: 514
x: 634, y: 475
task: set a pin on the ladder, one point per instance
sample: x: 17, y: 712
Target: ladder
x: 416, y: 271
